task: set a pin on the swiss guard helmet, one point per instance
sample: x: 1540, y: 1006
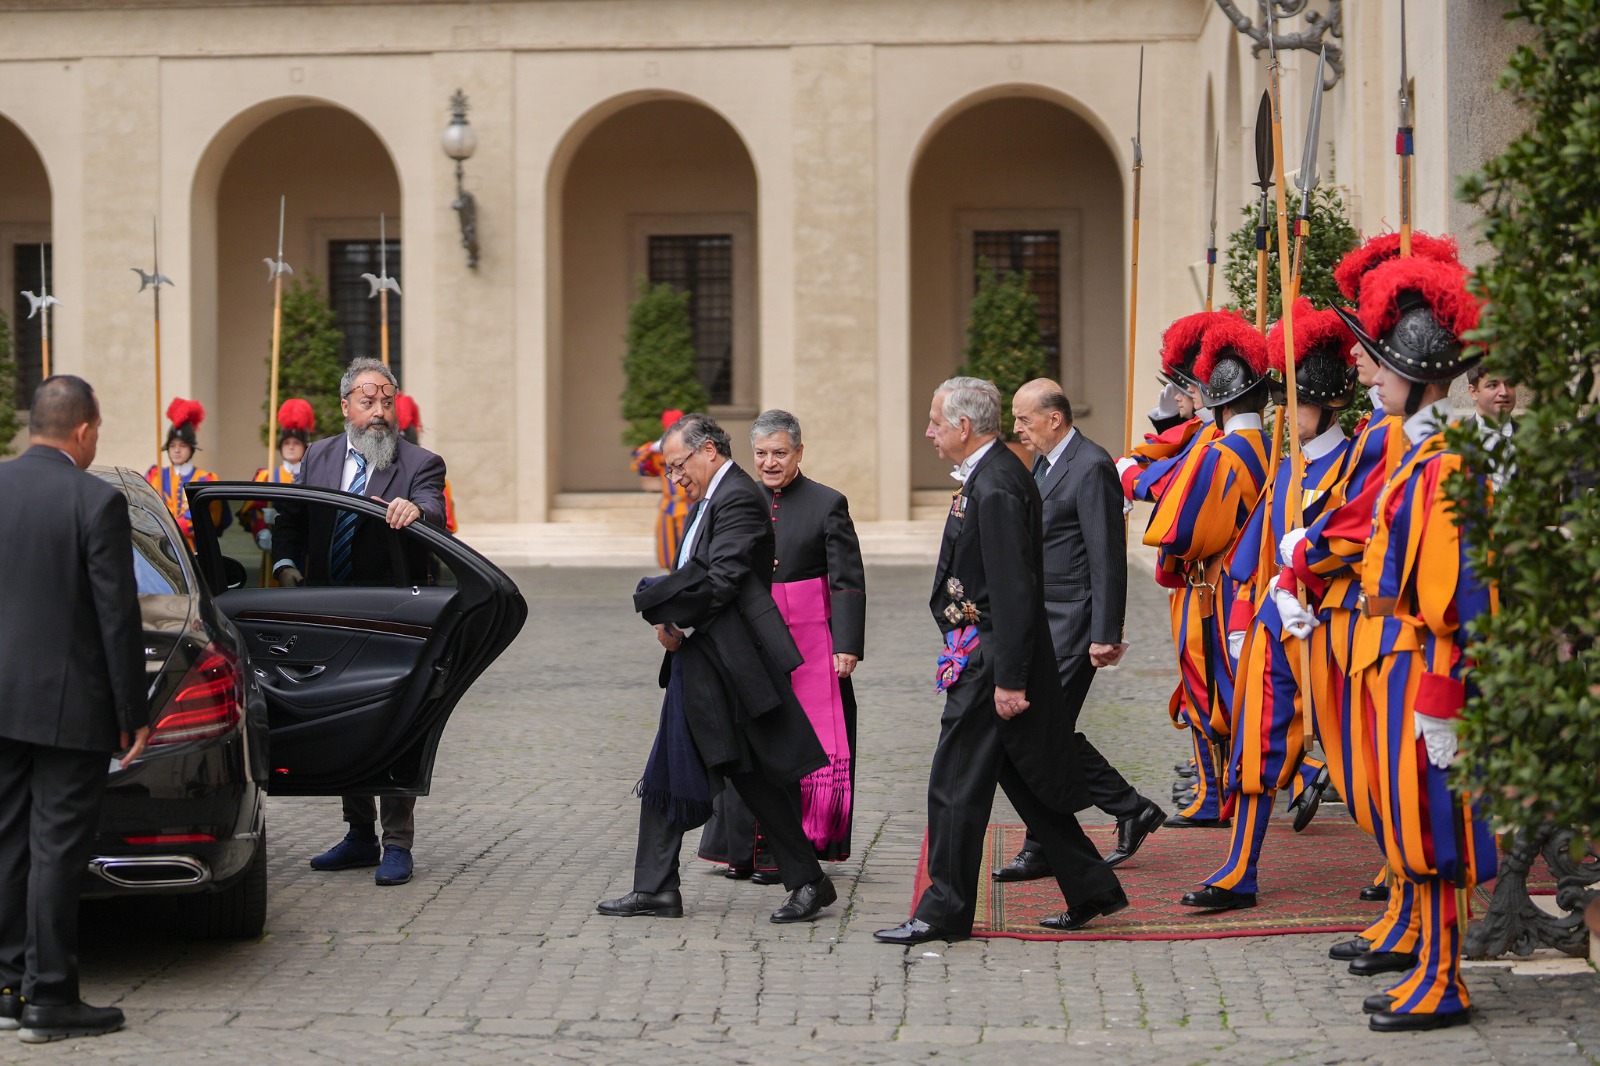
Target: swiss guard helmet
x: 408, y: 416
x: 296, y: 420
x: 1180, y: 347
x: 1414, y: 314
x: 1324, y: 370
x: 1376, y: 251
x: 185, y: 416
x: 1232, y: 362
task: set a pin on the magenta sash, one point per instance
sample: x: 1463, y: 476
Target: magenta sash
x: 825, y: 794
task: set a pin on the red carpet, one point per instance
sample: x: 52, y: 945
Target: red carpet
x: 1309, y: 883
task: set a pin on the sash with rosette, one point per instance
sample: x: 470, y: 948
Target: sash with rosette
x: 958, y: 642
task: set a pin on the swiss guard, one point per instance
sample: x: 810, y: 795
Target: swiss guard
x: 170, y: 481
x: 1268, y: 623
x: 408, y: 418
x: 296, y: 422
x: 1418, y: 598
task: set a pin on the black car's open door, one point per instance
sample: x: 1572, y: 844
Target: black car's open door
x: 359, y: 676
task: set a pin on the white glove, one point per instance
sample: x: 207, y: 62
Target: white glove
x: 1127, y: 507
x: 1439, y: 735
x: 1167, y: 405
x: 1235, y: 644
x: 1297, y: 620
x: 1286, y: 546
x: 1124, y: 464
x: 264, y: 540
x: 269, y: 515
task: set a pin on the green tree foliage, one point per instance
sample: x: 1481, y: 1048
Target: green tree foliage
x: 310, y: 358
x: 659, y: 362
x: 1530, y: 735
x: 8, y: 389
x: 1003, y: 344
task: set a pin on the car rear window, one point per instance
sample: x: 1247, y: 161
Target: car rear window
x: 156, y: 568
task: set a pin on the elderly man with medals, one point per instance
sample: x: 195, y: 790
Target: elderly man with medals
x: 819, y: 584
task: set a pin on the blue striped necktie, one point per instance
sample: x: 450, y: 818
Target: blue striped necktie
x: 344, y: 529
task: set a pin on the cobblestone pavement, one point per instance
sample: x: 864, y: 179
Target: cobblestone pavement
x: 494, y: 952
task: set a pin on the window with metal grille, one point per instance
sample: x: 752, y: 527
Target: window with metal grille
x: 701, y: 264
x: 354, y: 304
x: 29, y: 273
x: 1038, y: 254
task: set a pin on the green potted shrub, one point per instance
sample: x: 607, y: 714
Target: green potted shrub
x: 310, y: 357
x: 659, y: 364
x: 1003, y: 342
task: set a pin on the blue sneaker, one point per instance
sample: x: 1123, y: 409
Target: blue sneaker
x: 356, y: 849
x: 396, y: 866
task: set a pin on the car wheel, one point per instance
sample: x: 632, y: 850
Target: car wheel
x: 238, y: 912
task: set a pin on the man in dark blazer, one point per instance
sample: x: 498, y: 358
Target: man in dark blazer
x: 1005, y: 718
x: 1085, y: 592
x: 72, y: 691
x: 729, y: 654
x: 316, y: 547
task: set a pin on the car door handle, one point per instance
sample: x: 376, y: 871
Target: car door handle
x: 298, y: 674
x: 283, y: 647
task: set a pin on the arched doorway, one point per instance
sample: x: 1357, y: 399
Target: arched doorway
x: 1028, y: 184
x: 660, y: 189
x: 337, y: 178
x: 25, y: 252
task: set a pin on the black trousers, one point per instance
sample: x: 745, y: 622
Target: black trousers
x: 1108, y: 789
x: 49, y: 811
x: 969, y: 761
x: 777, y: 807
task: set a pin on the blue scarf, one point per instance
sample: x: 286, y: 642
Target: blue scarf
x: 674, y: 780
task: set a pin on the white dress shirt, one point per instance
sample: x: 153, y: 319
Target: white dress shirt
x: 963, y: 469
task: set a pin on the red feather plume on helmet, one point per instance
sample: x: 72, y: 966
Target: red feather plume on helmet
x: 407, y: 413
x: 1313, y: 331
x: 181, y: 412
x: 296, y: 414
x: 1182, y: 337
x: 1231, y: 334
x: 1378, y: 250
x: 1441, y: 285
x: 670, y: 417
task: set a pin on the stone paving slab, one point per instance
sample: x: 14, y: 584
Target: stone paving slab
x: 494, y: 952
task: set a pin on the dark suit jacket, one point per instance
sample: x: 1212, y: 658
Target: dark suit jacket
x: 741, y: 708
x: 994, y: 548
x: 1085, y: 549
x: 71, y: 647
x: 814, y: 537
x: 416, y: 475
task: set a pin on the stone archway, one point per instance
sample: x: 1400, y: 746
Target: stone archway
x: 337, y: 177
x: 25, y: 251
x: 658, y: 187
x: 1023, y: 177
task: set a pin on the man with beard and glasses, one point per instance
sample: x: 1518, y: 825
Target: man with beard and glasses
x: 310, y: 546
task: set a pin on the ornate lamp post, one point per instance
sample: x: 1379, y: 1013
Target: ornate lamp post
x: 459, y: 141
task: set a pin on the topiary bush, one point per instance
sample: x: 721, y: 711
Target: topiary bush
x: 310, y: 358
x: 659, y: 362
x: 9, y: 423
x: 1003, y: 341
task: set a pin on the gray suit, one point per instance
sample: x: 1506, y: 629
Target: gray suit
x: 1085, y: 590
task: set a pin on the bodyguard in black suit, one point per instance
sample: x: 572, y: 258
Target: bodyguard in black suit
x: 72, y: 690
x: 729, y: 655
x: 1085, y: 595
x: 1005, y: 718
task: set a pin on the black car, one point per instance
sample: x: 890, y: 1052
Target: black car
x: 291, y: 691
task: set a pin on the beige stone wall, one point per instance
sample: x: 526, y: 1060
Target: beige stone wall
x: 855, y: 121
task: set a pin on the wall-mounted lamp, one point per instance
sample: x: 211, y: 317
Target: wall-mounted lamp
x: 460, y: 141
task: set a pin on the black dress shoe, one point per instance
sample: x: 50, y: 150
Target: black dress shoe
x: 1392, y: 1022
x: 11, y: 1004
x: 1305, y: 805
x: 1132, y: 830
x: 738, y: 873
x: 668, y: 904
x: 807, y: 901
x: 1212, y: 898
x: 914, y: 931
x: 1374, y: 894
x: 1087, y: 911
x: 1183, y: 767
x: 766, y: 877
x: 1025, y: 866
x: 1186, y: 771
x: 44, y: 1023
x: 1378, y: 1003
x: 1178, y: 821
x: 1375, y: 962
x: 1354, y: 948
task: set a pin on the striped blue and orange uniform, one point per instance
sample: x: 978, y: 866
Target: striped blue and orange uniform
x: 1419, y: 596
x: 1195, y: 522
x: 170, y: 484
x: 1269, y: 692
x: 671, y: 509
x: 1328, y: 562
x: 253, y: 515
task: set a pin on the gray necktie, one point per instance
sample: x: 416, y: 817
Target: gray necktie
x: 1041, y: 469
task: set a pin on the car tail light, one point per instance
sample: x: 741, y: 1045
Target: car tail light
x: 207, y: 701
x: 173, y: 838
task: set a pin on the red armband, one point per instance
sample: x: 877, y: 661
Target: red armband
x: 1240, y: 615
x: 1440, y: 696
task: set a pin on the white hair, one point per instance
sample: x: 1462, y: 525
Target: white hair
x: 775, y: 421
x: 976, y: 400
